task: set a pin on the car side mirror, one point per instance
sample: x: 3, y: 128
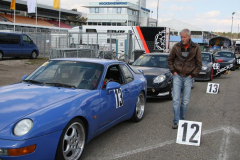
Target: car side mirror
x: 24, y: 77
x: 112, y: 86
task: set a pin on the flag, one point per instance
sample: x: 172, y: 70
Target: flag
x: 31, y: 4
x: 13, y: 5
x: 56, y: 4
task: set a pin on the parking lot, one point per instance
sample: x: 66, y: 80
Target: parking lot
x: 153, y: 137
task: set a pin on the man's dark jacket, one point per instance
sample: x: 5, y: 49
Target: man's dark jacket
x: 191, y: 65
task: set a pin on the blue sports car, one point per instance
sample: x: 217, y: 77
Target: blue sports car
x: 65, y: 103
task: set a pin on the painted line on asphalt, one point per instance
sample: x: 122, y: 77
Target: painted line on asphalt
x: 225, y: 141
x: 223, y: 149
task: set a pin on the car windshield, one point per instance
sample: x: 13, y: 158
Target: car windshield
x: 206, y: 57
x: 225, y: 54
x: 69, y: 74
x: 160, y: 61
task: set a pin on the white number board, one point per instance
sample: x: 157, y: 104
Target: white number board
x: 216, y: 66
x: 238, y: 61
x: 189, y: 132
x: 212, y: 88
x: 119, y: 97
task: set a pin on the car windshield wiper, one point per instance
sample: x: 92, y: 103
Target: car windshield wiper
x: 33, y: 81
x: 61, y: 85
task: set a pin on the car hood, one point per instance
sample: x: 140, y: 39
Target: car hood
x: 19, y: 100
x: 152, y: 71
x: 225, y: 59
x: 206, y: 63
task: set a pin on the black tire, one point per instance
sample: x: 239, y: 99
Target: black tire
x: 70, y: 145
x: 34, y: 55
x: 1, y: 55
x: 139, y: 108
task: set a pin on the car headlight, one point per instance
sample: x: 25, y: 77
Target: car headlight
x: 159, y: 79
x: 23, y: 127
x: 204, y: 68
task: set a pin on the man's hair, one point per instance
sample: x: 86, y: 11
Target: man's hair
x: 186, y: 31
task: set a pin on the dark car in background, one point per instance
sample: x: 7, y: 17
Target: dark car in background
x: 155, y: 69
x: 209, y: 67
x: 228, y: 59
x: 17, y: 45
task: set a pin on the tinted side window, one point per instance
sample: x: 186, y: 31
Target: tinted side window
x: 127, y: 73
x: 3, y: 39
x: 26, y: 39
x: 14, y: 39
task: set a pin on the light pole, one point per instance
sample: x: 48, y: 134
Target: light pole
x: 157, y: 12
x: 238, y: 30
x: 232, y: 24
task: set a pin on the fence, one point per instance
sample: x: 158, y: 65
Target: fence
x: 91, y: 45
x: 55, y: 44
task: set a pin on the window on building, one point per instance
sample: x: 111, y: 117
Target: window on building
x: 96, y: 10
x: 114, y: 10
x: 124, y: 10
x: 119, y: 10
x: 130, y: 12
x: 92, y: 10
x: 109, y: 10
x: 101, y: 10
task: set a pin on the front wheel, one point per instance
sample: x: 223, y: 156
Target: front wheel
x: 72, y: 141
x: 139, y: 108
x: 34, y: 55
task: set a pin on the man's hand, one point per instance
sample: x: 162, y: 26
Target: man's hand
x: 175, y: 73
x: 190, y: 76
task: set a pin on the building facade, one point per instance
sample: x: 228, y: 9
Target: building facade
x: 119, y: 13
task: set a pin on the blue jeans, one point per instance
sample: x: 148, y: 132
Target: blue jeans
x: 180, y: 106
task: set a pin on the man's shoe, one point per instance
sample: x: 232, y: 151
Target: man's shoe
x: 175, y: 126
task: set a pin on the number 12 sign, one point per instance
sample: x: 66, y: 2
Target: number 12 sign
x: 213, y: 88
x: 189, y: 132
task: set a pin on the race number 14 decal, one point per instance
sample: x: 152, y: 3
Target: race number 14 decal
x: 118, y: 97
x: 212, y: 88
x: 189, y: 132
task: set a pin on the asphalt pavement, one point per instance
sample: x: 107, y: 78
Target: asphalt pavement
x: 154, y: 139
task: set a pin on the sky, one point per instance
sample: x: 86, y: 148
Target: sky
x: 210, y: 15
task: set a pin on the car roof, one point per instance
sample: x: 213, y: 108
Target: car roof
x: 207, y: 52
x: 11, y: 33
x: 225, y: 51
x: 155, y: 53
x: 92, y: 60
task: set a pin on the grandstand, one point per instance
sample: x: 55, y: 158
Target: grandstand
x: 47, y: 18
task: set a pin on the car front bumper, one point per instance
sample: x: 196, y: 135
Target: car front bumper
x: 203, y: 75
x: 158, y: 90
x: 46, y: 147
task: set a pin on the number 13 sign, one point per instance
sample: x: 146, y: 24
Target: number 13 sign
x: 189, y: 132
x: 213, y: 88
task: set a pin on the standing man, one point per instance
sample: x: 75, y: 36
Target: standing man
x: 185, y: 62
